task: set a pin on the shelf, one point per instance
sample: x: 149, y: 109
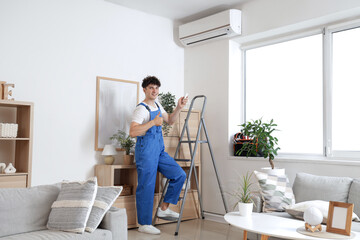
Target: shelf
x: 17, y: 150
x: 11, y: 103
x: 15, y: 139
x: 13, y: 174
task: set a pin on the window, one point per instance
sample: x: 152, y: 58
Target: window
x: 345, y: 90
x: 284, y: 83
x: 310, y: 86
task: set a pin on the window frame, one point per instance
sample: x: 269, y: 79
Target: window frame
x: 328, y: 67
x: 326, y: 31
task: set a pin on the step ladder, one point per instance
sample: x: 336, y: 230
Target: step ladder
x: 192, y: 165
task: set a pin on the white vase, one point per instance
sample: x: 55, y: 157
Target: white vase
x: 245, y: 209
x: 275, y: 171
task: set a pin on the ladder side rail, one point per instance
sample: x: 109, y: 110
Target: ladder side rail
x: 199, y: 194
x: 187, y: 179
x: 161, y: 200
x: 215, y: 168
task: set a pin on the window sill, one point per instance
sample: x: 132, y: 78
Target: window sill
x: 305, y: 159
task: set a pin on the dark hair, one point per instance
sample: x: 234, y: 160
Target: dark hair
x: 150, y: 80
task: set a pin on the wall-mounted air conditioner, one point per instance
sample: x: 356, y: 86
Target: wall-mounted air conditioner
x: 223, y: 24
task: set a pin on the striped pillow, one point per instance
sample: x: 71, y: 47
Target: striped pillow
x: 275, y: 192
x: 71, y: 210
x: 105, y: 197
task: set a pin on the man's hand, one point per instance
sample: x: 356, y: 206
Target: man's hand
x: 182, y: 102
x: 158, y: 120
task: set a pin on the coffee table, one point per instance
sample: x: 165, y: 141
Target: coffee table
x: 272, y: 226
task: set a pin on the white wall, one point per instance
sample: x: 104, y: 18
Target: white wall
x: 262, y: 15
x: 213, y: 65
x: 54, y: 49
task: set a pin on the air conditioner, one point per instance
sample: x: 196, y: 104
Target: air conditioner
x: 223, y: 24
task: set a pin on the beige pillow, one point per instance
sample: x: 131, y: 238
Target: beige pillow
x: 297, y: 210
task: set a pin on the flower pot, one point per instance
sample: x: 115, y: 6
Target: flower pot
x: 275, y: 171
x: 128, y: 159
x: 245, y: 209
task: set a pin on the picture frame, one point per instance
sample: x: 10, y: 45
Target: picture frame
x: 340, y: 218
x: 116, y: 100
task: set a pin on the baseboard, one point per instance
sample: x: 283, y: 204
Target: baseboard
x: 215, y: 217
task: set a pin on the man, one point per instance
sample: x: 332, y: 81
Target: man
x: 150, y: 156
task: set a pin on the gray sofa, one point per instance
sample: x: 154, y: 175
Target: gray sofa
x: 24, y: 214
x: 309, y: 187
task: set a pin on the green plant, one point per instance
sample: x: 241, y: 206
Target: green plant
x: 124, y: 140
x: 167, y: 100
x: 244, y: 192
x: 261, y: 139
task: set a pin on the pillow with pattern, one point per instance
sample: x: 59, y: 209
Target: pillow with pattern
x: 105, y: 197
x: 276, y: 192
x: 71, y: 210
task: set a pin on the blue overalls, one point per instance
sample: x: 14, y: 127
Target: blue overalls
x: 150, y: 157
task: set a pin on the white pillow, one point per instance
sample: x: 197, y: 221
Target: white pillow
x: 297, y: 210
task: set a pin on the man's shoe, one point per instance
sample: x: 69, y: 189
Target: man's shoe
x: 150, y: 229
x: 167, y: 214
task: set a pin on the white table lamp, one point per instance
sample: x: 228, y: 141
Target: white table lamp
x: 109, y: 151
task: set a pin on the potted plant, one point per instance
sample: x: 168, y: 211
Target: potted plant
x: 243, y: 195
x: 167, y: 100
x: 261, y: 139
x: 127, y: 143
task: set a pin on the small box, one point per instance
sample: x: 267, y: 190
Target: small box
x: 8, y: 130
x: 127, y: 190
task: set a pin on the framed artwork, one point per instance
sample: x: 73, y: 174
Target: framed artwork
x: 116, y: 100
x: 339, y: 218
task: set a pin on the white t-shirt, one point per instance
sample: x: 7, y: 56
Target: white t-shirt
x: 141, y: 115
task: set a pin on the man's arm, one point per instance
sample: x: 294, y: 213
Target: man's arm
x: 137, y: 129
x: 174, y: 115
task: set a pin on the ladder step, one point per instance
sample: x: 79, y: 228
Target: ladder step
x: 182, y: 160
x: 200, y: 141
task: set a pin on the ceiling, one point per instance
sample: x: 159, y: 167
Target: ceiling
x: 180, y: 10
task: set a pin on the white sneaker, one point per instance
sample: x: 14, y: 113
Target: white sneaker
x: 150, y: 229
x: 168, y: 213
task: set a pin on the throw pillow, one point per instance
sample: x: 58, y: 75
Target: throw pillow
x: 297, y: 210
x: 71, y: 210
x: 308, y: 187
x: 354, y: 195
x: 275, y: 192
x: 105, y: 197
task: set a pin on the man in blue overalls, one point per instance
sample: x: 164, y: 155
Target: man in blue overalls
x: 150, y: 156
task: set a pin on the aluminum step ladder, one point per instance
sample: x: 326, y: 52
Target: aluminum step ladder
x: 192, y: 165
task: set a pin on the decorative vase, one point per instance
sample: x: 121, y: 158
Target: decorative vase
x: 245, y: 209
x: 128, y: 159
x: 109, y: 160
x: 275, y: 171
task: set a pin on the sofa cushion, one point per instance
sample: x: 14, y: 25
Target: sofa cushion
x: 311, y: 187
x: 71, y: 210
x: 105, y: 197
x: 275, y: 191
x: 26, y: 209
x: 354, y: 195
x: 99, y: 234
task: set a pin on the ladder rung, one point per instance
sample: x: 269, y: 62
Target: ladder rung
x: 182, y: 160
x: 200, y: 141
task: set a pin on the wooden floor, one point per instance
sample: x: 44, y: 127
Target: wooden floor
x: 191, y: 230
